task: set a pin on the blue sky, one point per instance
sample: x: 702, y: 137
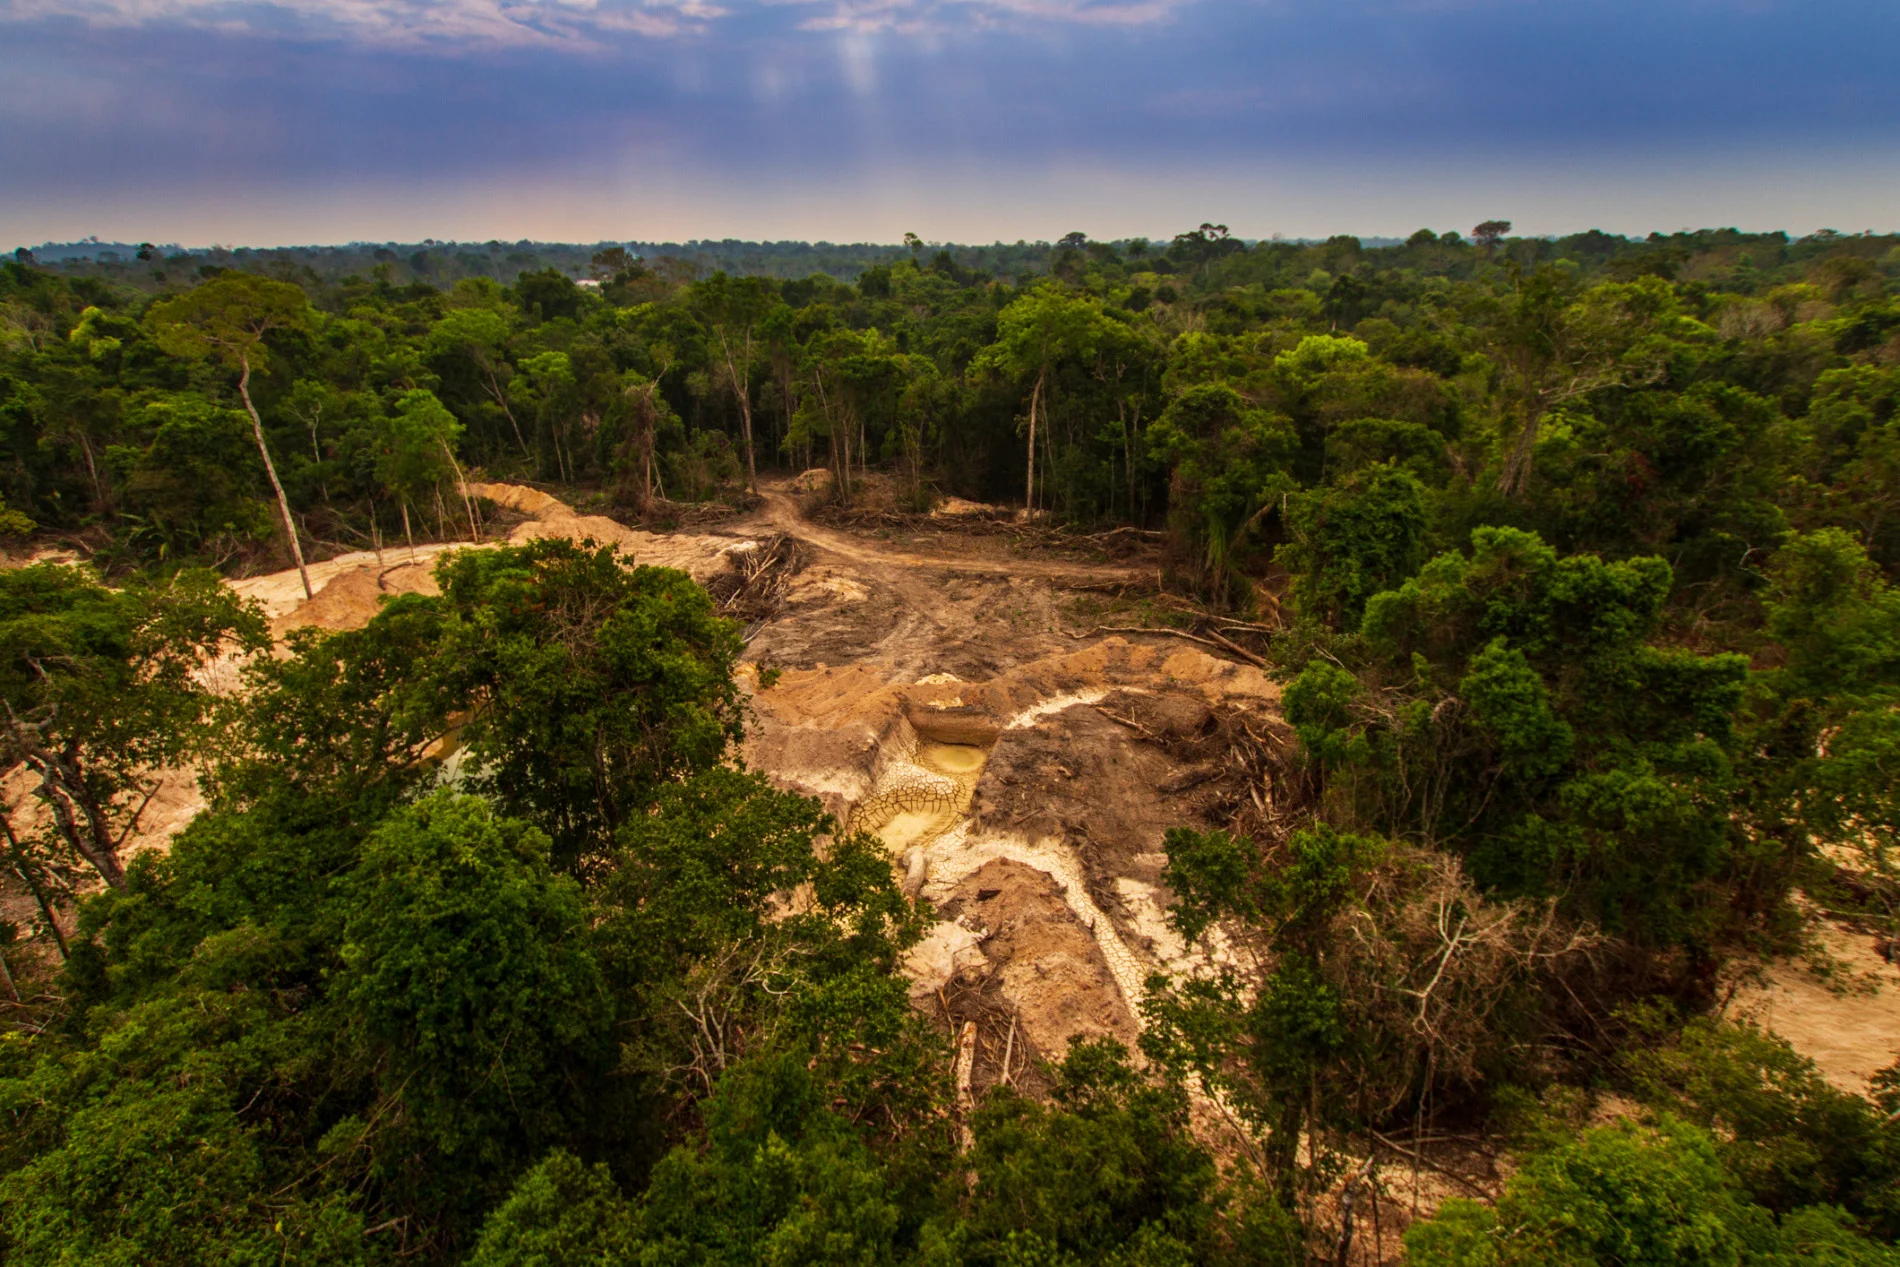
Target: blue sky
x: 328, y: 120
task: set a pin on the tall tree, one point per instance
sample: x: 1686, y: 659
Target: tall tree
x: 228, y: 318
x: 103, y: 689
x: 1035, y: 333
x: 734, y: 308
x: 479, y: 334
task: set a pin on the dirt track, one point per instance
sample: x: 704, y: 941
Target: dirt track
x: 780, y: 513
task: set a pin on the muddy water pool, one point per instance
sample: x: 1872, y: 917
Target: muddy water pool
x: 926, y: 800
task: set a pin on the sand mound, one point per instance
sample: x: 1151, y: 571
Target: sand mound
x: 350, y: 587
x: 350, y: 598
x: 1847, y: 1021
x: 521, y: 499
x: 1048, y: 963
x: 957, y: 507
x: 817, y: 480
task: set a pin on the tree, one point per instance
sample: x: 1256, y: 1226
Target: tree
x: 854, y: 378
x: 1632, y: 1194
x: 1108, y: 1162
x: 588, y: 683
x: 1786, y: 1136
x: 1826, y: 735
x: 1352, y: 539
x: 611, y: 261
x: 418, y: 453
x: 1202, y: 246
x: 480, y: 334
x: 1230, y: 468
x: 105, y: 690
x: 1490, y: 232
x: 1033, y: 334
x: 1465, y: 729
x: 734, y: 308
x: 229, y: 318
x: 1360, y: 978
x: 562, y: 1211
x: 547, y: 382
x: 465, y: 963
x: 1556, y: 349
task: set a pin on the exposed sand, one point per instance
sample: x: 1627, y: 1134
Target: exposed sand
x: 1846, y: 1021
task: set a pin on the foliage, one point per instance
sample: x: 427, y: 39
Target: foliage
x: 1106, y: 1171
x: 1353, y: 539
x: 1466, y: 730
x: 1787, y: 1136
x: 1588, y: 546
x: 587, y: 683
x: 104, y: 689
x: 1632, y: 1194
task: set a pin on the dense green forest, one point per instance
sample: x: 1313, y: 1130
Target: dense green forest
x: 1580, y: 557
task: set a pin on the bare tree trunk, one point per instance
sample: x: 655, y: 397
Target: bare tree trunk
x: 283, y: 502
x: 839, y: 440
x: 501, y: 398
x: 966, y: 1100
x: 461, y: 484
x: 98, y: 491
x: 406, y: 536
x: 1035, y: 402
x: 1516, y: 475
x: 1128, y: 440
x: 57, y: 796
x: 742, y: 388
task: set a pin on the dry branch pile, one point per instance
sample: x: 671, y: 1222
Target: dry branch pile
x: 753, y: 586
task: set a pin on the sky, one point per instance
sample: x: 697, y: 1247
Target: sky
x: 267, y: 122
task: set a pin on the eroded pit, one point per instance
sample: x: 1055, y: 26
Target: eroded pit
x: 923, y: 794
x: 1028, y: 812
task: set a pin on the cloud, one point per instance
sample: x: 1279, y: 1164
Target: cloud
x: 941, y: 17
x: 455, y: 25
x: 443, y: 25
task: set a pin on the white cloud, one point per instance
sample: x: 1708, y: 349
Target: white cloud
x: 937, y: 17
x: 440, y: 24
x: 452, y: 25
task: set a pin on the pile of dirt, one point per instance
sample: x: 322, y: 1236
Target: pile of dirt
x: 821, y: 730
x: 958, y: 508
x: 702, y: 556
x: 281, y: 593
x: 1042, y: 959
x: 349, y: 599
x: 350, y: 588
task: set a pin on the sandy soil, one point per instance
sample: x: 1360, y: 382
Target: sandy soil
x: 1840, y: 1008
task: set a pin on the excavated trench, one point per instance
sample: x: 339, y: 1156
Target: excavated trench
x: 1027, y: 812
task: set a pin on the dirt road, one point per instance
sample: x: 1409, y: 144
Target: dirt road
x: 781, y: 514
